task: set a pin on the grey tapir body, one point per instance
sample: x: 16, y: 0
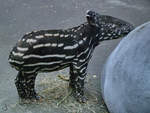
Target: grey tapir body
x: 51, y: 50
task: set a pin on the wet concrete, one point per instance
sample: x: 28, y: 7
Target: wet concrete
x: 19, y: 16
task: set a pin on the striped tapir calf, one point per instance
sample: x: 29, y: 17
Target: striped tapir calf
x: 52, y: 50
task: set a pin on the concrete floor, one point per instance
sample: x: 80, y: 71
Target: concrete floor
x: 20, y: 16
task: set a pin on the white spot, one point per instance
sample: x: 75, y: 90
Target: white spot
x: 106, y: 38
x: 31, y: 41
x: 78, y: 28
x: 22, y: 49
x: 48, y: 34
x: 97, y: 35
x: 17, y: 54
x: 81, y: 42
x: 66, y: 36
x: 57, y: 34
x: 103, y: 33
x: 71, y: 35
x: 38, y: 46
x: 43, y: 63
x: 60, y: 45
x: 74, y: 36
x: 54, y: 45
x: 101, y: 37
x: 84, y: 38
x: 40, y: 36
x: 23, y: 39
x: 102, y: 29
x: 113, y: 26
x: 75, y: 30
x: 119, y: 33
x: 75, y: 46
x: 109, y: 34
x: 80, y: 34
x: 61, y: 35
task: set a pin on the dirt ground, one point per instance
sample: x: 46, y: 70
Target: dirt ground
x: 21, y: 16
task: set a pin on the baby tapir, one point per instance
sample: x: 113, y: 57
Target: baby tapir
x: 52, y: 50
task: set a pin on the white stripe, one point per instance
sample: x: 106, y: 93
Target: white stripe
x: 14, y: 61
x: 28, y: 33
x: 40, y: 36
x: 60, y: 45
x: 82, y: 69
x: 90, y: 41
x: 79, y: 67
x: 48, y: 34
x: 43, y: 63
x: 66, y: 36
x: 89, y: 53
x: 71, y: 47
x: 83, y: 60
x: 45, y: 56
x: 83, y: 52
x: 75, y: 30
x: 61, y: 35
x: 106, y: 38
x: 23, y: 39
x: 81, y: 78
x: 54, y: 45
x: 47, y: 45
x: 22, y: 49
x: 67, y: 57
x: 17, y: 54
x: 97, y: 35
x: 33, y: 71
x: 38, y: 46
x: 49, y: 69
x: 84, y: 38
x: 31, y: 41
x: 56, y: 34
x: 81, y: 41
x: 74, y: 36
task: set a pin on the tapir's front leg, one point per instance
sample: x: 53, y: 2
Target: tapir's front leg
x: 78, y: 74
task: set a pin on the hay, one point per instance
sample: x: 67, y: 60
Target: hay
x: 57, y: 94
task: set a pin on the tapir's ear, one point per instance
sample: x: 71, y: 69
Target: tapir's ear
x: 89, y: 16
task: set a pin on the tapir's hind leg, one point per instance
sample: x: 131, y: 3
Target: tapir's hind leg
x: 73, y: 78
x: 25, y: 85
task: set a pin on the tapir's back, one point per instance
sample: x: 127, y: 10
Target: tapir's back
x: 42, y: 47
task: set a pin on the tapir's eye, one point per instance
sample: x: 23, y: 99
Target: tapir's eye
x: 89, y: 17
